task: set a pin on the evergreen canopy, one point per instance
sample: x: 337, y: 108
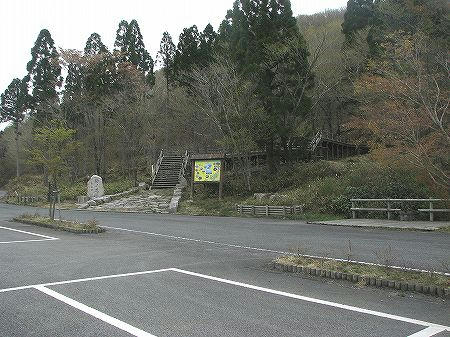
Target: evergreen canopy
x: 130, y: 44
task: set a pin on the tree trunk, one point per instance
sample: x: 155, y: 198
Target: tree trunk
x: 17, y: 153
x: 271, y: 156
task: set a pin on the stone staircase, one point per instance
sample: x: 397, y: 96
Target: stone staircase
x: 170, y: 168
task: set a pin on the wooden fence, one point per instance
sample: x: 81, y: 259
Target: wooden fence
x: 269, y: 210
x: 390, y: 210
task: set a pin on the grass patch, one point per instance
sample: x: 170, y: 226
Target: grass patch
x: 445, y: 229
x: 208, y: 206
x: 380, y: 272
x: 33, y: 185
x: 65, y: 225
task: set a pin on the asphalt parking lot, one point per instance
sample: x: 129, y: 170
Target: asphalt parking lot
x: 123, y: 283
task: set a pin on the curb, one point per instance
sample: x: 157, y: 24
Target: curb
x: 427, y: 229
x: 365, y: 280
x: 66, y: 229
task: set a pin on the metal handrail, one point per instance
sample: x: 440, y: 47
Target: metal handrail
x: 183, y: 167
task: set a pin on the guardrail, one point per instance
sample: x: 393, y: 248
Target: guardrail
x: 268, y: 210
x: 390, y: 210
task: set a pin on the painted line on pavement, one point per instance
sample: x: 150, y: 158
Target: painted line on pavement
x: 431, y: 328
x: 95, y: 313
x: 428, y: 332
x: 25, y: 232
x: 271, y: 250
x: 84, y: 280
x: 19, y: 241
x: 45, y: 237
x: 318, y: 301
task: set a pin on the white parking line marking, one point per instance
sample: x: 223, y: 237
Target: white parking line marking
x: 95, y: 313
x: 18, y: 241
x: 430, y: 331
x: 269, y: 250
x: 20, y: 231
x: 46, y: 238
x: 318, y: 301
x: 84, y: 280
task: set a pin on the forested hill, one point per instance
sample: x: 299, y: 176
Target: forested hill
x: 375, y: 72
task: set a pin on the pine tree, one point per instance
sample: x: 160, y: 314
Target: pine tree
x: 130, y: 44
x: 15, y: 101
x: 44, y: 75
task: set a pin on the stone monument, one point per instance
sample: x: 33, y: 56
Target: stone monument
x: 95, y: 187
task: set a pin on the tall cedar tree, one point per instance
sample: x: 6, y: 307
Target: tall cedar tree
x: 72, y: 91
x: 208, y: 40
x: 166, y: 55
x: 251, y: 29
x: 187, y: 54
x: 14, y: 103
x: 130, y: 43
x: 44, y: 75
x: 100, y: 74
x: 194, y: 49
x: 358, y: 16
x: 94, y: 45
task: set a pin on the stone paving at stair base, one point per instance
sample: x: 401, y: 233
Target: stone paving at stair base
x: 145, y: 201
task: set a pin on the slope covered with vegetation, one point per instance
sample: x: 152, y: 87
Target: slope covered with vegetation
x: 375, y: 73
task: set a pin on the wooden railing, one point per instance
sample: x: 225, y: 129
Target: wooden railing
x: 390, y: 210
x: 269, y: 210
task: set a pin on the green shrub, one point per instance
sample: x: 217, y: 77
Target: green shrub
x: 113, y: 187
x: 30, y: 185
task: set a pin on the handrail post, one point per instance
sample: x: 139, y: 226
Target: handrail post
x: 389, y: 209
x: 353, y: 211
x: 431, y: 211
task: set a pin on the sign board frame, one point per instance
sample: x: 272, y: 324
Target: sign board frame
x: 208, y: 157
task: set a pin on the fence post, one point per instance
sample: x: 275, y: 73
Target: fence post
x: 240, y: 209
x: 389, y: 209
x: 353, y: 211
x: 253, y: 210
x: 267, y: 210
x: 284, y: 210
x: 431, y: 211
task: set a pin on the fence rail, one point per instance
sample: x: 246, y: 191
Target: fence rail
x: 269, y: 210
x: 24, y: 200
x: 390, y: 210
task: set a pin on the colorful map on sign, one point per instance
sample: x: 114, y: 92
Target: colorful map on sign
x: 207, y: 170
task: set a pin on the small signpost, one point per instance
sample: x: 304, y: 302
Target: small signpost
x: 207, y: 169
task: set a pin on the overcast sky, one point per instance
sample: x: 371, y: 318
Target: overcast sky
x: 72, y: 21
